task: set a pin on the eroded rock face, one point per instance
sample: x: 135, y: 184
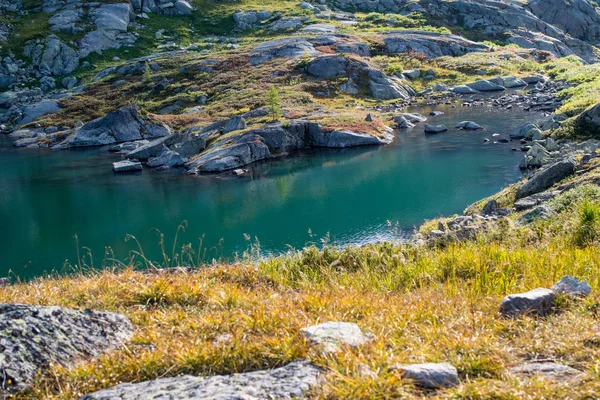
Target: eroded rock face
x: 52, y: 56
x: 578, y: 18
x: 589, y: 121
x: 431, y: 44
x: 31, y: 337
x: 122, y: 125
x: 290, y: 381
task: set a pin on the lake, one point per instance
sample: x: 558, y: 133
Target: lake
x: 47, y: 197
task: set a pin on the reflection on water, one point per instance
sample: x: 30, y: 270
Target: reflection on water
x: 47, y: 197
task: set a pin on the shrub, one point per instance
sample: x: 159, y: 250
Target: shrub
x: 587, y: 229
x: 274, y: 103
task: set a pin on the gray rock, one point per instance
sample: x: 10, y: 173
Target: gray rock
x: 509, y: 82
x: 122, y: 125
x: 548, y: 370
x: 430, y: 375
x: 435, y: 128
x: 571, y: 286
x: 237, y: 152
x: 346, y: 138
x: 183, y: 7
x: 535, y: 302
x: 7, y: 99
x: 547, y: 177
x: 331, y: 335
x: 589, y: 121
x: 527, y: 131
x: 464, y: 89
x: 540, y: 212
x: 52, y: 56
x: 167, y: 159
x: 69, y: 82
x: 329, y: 67
x: 286, y: 24
x: 468, y: 126
x: 228, y: 125
x: 578, y: 18
x: 290, y: 381
x: 288, y: 47
x: 413, y: 117
x: 361, y: 49
x: 386, y: 88
x: 127, y: 166
x: 403, y: 123
x: 485, y: 86
x: 45, y: 107
x: 34, y: 336
x: 431, y: 44
x: 320, y: 28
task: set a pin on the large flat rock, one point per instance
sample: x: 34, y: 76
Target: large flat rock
x: 290, y: 381
x: 32, y: 337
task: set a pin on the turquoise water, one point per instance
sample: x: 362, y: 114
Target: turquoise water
x: 47, y: 197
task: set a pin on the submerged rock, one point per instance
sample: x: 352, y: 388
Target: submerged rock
x: 430, y: 375
x: 331, y: 335
x: 290, y: 381
x: 468, y: 126
x: 535, y: 302
x: 435, y: 128
x: 34, y: 337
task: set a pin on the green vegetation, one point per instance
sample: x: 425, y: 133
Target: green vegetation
x: 274, y: 103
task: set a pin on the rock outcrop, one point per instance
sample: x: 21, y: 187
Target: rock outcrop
x: 357, y: 71
x: 431, y: 44
x: 34, y: 336
x: 290, y: 381
x: 123, y: 125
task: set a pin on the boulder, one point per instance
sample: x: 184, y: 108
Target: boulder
x: 167, y: 159
x: 430, y: 375
x: 330, y: 336
x: 464, y: 89
x: 485, y: 86
x: 468, y: 126
x: 127, y: 166
x: 235, y: 153
x: 346, y: 138
x: 571, y: 286
x: 52, y: 57
x: 287, y: 382
x: 588, y: 122
x: 431, y: 44
x: 548, y: 370
x: 508, y: 82
x: 542, y: 211
x: 34, y: 337
x: 385, y: 88
x: 547, y: 177
x: 225, y: 126
x: 38, y: 110
x: 414, y: 117
x: 329, y: 67
x: 527, y: 131
x: 295, y: 47
x: 123, y: 125
x: 183, y: 7
x: 435, y: 128
x: 403, y: 123
x: 535, y: 302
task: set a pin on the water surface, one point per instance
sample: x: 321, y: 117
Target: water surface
x: 47, y: 197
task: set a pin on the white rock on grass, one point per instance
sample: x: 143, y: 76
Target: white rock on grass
x: 430, y: 375
x: 548, y: 370
x: 330, y: 336
x: 288, y: 382
x: 571, y: 286
x: 535, y: 302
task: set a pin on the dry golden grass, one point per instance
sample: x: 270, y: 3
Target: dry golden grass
x: 422, y: 304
